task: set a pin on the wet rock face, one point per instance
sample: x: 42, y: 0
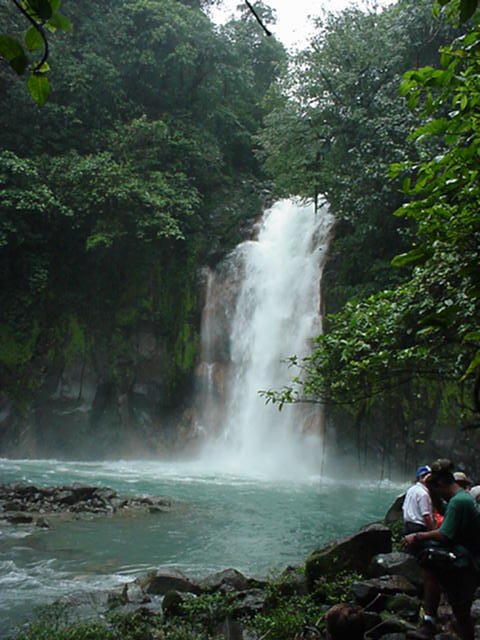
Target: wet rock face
x: 86, y: 409
x: 20, y: 503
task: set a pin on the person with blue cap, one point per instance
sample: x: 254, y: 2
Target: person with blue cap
x: 417, y: 517
x: 417, y: 506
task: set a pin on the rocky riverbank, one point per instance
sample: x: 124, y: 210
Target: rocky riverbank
x: 28, y: 504
x: 363, y: 569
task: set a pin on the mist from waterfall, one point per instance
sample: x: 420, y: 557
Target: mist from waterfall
x: 269, y: 305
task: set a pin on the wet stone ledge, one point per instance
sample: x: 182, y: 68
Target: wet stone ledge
x: 28, y: 504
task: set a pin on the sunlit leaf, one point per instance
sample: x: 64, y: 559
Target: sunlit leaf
x: 33, y: 39
x: 39, y: 88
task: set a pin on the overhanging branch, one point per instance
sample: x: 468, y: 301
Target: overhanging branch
x: 257, y: 17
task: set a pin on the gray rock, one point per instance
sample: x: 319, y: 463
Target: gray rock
x: 172, y: 603
x: 405, y: 606
x: 374, y: 593
x: 395, y: 513
x: 391, y: 627
x: 396, y: 563
x: 134, y: 594
x: 66, y: 497
x: 13, y: 505
x: 292, y: 582
x: 164, y: 580
x: 475, y: 611
x: 42, y: 523
x: 350, y: 554
x: 249, y: 603
x: 19, y: 517
x: 227, y: 580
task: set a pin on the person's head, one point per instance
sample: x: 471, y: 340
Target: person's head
x: 462, y: 480
x: 345, y: 622
x: 475, y: 492
x: 441, y: 479
x: 422, y: 473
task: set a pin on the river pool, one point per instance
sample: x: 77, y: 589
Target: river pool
x: 219, y: 521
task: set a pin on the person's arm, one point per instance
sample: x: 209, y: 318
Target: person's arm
x: 427, y: 518
x: 435, y: 534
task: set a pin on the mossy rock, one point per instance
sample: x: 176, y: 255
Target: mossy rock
x: 349, y: 554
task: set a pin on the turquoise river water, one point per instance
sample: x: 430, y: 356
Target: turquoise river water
x: 218, y: 521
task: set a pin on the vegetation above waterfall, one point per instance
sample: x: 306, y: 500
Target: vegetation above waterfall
x: 411, y: 329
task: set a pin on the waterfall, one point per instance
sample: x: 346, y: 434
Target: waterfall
x: 262, y: 306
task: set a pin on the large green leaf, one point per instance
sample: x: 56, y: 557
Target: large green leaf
x: 12, y: 51
x: 33, y: 39
x: 60, y: 22
x: 39, y: 88
x: 42, y: 8
x: 410, y: 258
x: 467, y: 9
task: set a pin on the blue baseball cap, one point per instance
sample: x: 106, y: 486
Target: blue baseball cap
x: 422, y: 471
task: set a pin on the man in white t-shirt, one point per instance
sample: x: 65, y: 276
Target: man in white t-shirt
x: 418, y: 516
x: 417, y: 506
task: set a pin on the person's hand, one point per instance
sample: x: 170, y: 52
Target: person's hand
x: 408, y: 540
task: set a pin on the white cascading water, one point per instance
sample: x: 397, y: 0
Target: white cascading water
x: 276, y: 312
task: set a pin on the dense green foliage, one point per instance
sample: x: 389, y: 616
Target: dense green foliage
x: 137, y: 170
x: 424, y: 332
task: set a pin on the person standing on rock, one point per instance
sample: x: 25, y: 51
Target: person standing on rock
x: 417, y: 506
x: 459, y: 536
x: 418, y: 517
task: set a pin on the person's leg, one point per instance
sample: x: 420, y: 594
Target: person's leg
x: 431, y: 593
x: 460, y: 588
x: 464, y: 623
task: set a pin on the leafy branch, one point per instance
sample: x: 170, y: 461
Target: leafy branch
x: 42, y: 15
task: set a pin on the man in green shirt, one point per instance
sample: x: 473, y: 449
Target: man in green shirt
x: 459, y: 533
